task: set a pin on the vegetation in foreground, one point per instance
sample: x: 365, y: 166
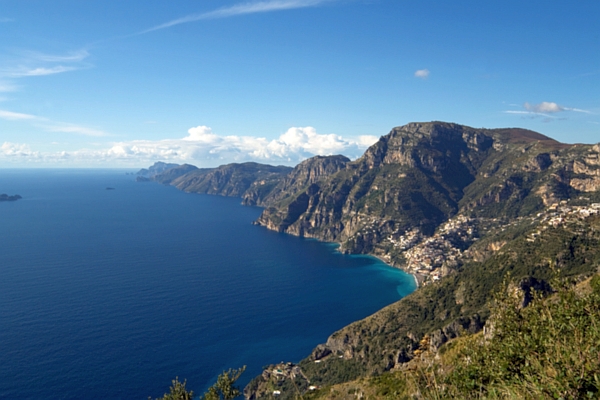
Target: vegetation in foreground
x: 547, y: 350
x: 223, y: 389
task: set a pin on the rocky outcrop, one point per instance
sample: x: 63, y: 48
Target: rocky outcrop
x: 587, y: 172
x: 451, y: 331
x: 307, y: 173
x: 5, y: 197
x: 284, y: 380
x: 523, y: 293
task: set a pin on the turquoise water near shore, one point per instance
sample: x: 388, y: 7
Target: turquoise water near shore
x: 113, y: 293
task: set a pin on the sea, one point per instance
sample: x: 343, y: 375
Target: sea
x: 111, y: 288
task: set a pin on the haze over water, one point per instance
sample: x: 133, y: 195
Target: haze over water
x: 113, y: 293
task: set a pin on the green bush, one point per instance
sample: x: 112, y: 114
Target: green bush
x: 223, y: 389
x: 550, y: 349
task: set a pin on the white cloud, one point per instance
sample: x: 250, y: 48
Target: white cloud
x: 72, y: 128
x: 25, y: 64
x: 49, y: 125
x: 203, y: 147
x: 294, y: 145
x: 578, y: 110
x: 201, y: 134
x: 7, y: 87
x: 41, y: 71
x: 309, y: 141
x: 367, y: 140
x: 544, y: 107
x: 9, y: 149
x: 12, y: 148
x: 73, y: 56
x: 241, y: 9
x: 422, y: 73
x: 13, y: 116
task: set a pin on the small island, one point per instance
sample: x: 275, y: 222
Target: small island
x: 5, y: 197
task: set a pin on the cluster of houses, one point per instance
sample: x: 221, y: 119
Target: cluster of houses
x: 406, y: 241
x: 283, y: 371
x: 434, y: 257
x: 430, y: 259
x: 560, y: 213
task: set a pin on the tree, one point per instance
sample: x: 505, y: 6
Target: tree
x: 177, y: 391
x: 224, y: 388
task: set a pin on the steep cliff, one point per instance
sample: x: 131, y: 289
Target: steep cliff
x: 232, y: 179
x: 421, y: 174
x: 299, y: 179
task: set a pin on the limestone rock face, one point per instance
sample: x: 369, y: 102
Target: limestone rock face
x: 538, y: 163
x: 587, y: 172
x: 417, y: 177
x: 306, y: 173
x: 586, y: 185
x: 472, y: 324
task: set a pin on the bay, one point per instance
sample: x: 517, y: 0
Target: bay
x: 111, y: 293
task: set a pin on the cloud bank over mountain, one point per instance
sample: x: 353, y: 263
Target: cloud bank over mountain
x: 200, y: 147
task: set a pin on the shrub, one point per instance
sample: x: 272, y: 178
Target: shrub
x: 550, y: 349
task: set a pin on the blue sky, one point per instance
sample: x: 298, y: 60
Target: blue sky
x: 126, y: 83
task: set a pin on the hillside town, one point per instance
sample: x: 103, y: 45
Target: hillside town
x: 431, y: 258
x: 561, y: 213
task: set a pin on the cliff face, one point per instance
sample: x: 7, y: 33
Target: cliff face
x: 299, y: 179
x: 413, y: 177
x: 229, y: 180
x: 421, y: 174
x: 252, y: 181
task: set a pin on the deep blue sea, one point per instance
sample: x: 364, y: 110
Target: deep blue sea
x: 110, y: 294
